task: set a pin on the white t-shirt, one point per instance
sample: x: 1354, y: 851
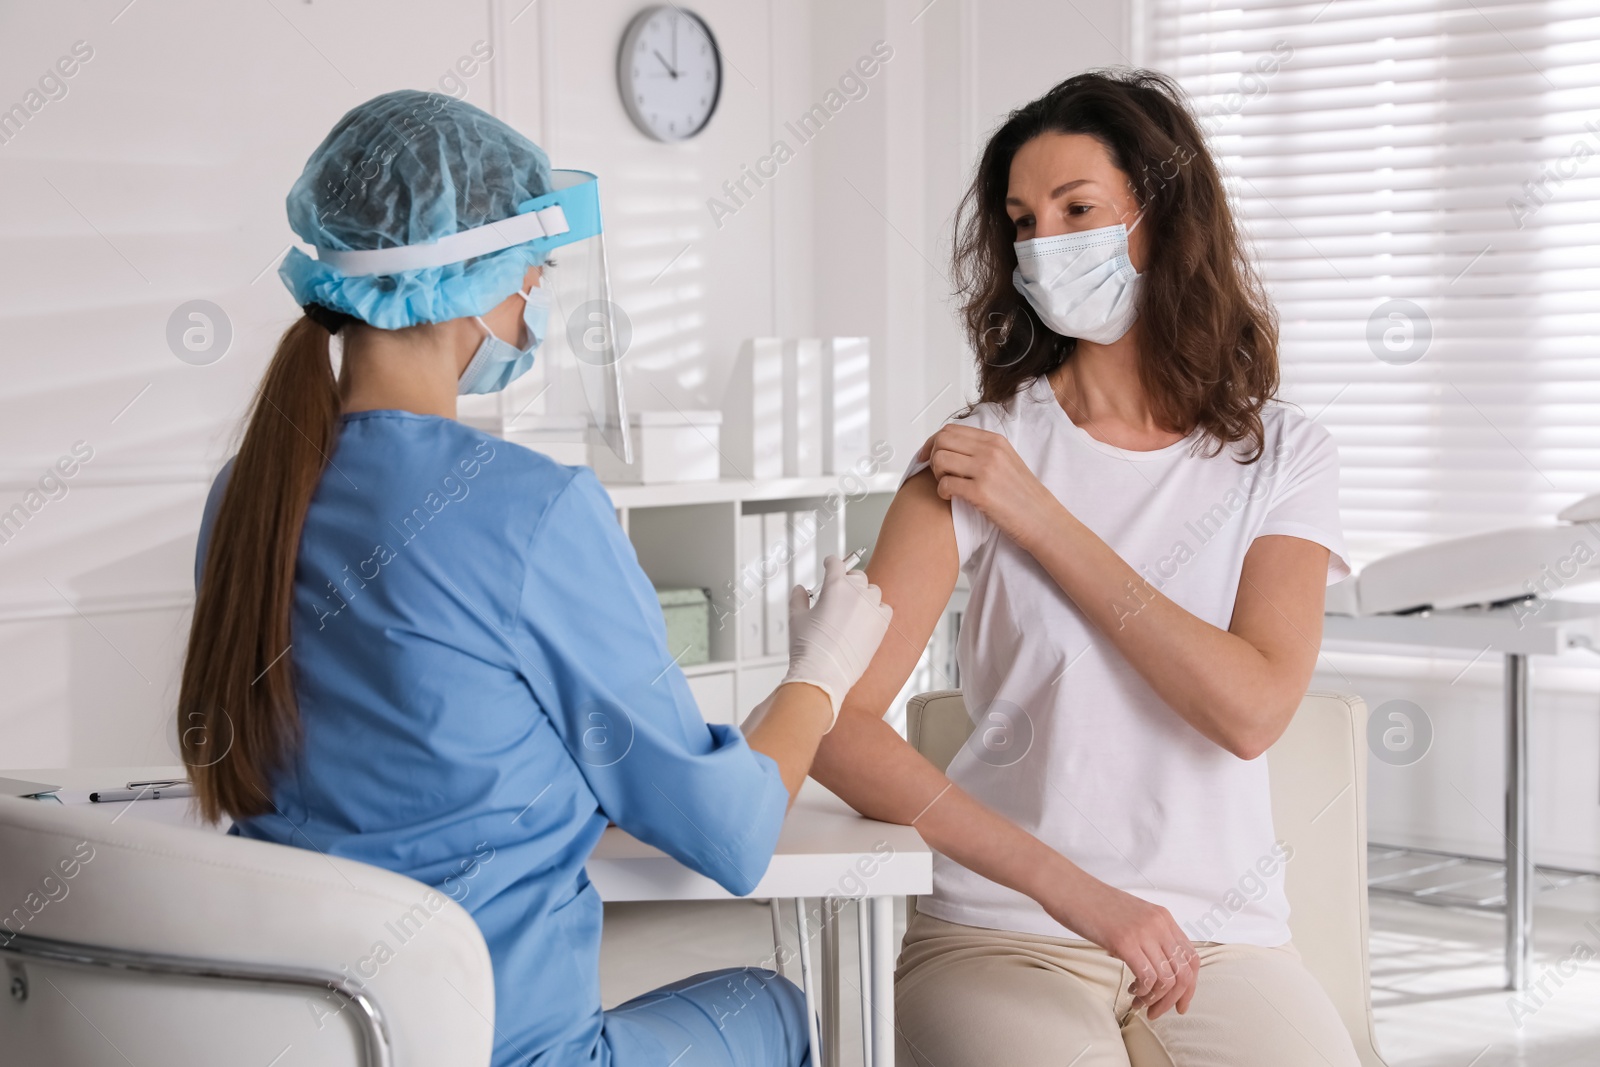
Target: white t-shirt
x: 1070, y: 742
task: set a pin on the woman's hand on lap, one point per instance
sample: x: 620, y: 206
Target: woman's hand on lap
x: 1142, y: 935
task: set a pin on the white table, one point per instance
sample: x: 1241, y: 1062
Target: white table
x: 78, y: 782
x: 826, y: 852
x: 1515, y: 632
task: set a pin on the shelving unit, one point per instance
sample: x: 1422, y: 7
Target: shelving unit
x: 687, y: 535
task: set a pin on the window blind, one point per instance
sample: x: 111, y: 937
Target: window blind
x: 1420, y: 183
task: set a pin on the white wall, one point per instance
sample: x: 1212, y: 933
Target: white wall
x: 1453, y: 797
x: 160, y: 176
x: 157, y: 179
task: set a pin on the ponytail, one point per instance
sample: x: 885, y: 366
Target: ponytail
x: 237, y: 718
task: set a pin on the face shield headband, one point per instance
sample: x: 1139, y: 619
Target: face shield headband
x: 570, y: 213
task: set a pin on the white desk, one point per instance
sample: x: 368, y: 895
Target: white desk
x: 78, y: 782
x: 1515, y: 633
x: 826, y: 852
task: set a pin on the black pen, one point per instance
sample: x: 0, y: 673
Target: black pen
x: 149, y: 791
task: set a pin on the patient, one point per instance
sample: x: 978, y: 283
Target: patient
x: 1148, y: 536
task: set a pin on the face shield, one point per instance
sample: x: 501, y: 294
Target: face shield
x: 585, y: 324
x: 561, y: 228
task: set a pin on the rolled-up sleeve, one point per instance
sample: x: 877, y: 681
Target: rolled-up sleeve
x: 973, y: 528
x: 593, y: 646
x: 1305, y: 497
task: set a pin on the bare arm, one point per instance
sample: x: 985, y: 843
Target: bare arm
x: 878, y: 773
x: 1240, y: 686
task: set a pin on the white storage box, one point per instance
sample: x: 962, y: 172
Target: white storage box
x: 846, y: 402
x: 802, y: 407
x: 753, y: 448
x: 668, y: 446
x: 561, y: 437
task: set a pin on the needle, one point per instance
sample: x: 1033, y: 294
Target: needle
x: 849, y: 564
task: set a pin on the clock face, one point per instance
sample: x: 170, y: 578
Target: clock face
x: 669, y: 72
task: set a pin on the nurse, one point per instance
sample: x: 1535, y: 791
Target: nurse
x: 422, y: 647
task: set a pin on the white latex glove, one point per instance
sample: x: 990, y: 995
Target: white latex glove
x: 832, y: 641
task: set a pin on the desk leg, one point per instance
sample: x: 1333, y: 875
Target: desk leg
x: 808, y: 982
x: 1519, y: 846
x: 829, y: 924
x: 864, y: 952
x: 883, y: 960
x: 776, y: 910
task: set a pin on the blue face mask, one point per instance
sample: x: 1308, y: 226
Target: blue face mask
x: 496, y: 364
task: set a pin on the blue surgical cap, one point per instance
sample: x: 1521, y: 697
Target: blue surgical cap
x: 408, y: 168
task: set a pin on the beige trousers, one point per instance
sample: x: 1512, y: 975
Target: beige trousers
x: 970, y: 997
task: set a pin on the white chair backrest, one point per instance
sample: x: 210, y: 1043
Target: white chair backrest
x: 1319, y: 807
x: 1319, y: 799
x: 405, y: 957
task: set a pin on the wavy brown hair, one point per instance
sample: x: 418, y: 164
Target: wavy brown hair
x: 1208, y: 338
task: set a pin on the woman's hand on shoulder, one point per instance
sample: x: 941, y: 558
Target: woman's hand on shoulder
x: 982, y: 468
x: 1142, y: 935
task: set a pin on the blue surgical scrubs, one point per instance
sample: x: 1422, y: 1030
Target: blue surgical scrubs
x: 483, y: 681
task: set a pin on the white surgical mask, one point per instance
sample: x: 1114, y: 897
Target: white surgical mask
x: 1081, y: 284
x: 496, y: 363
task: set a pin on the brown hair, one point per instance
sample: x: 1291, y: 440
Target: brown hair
x: 237, y: 718
x: 1208, y: 336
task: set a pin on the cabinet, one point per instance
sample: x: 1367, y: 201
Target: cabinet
x: 688, y: 535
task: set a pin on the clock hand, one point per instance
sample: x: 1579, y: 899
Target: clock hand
x: 664, y: 63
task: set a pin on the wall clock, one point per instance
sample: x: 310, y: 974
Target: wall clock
x: 669, y: 72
